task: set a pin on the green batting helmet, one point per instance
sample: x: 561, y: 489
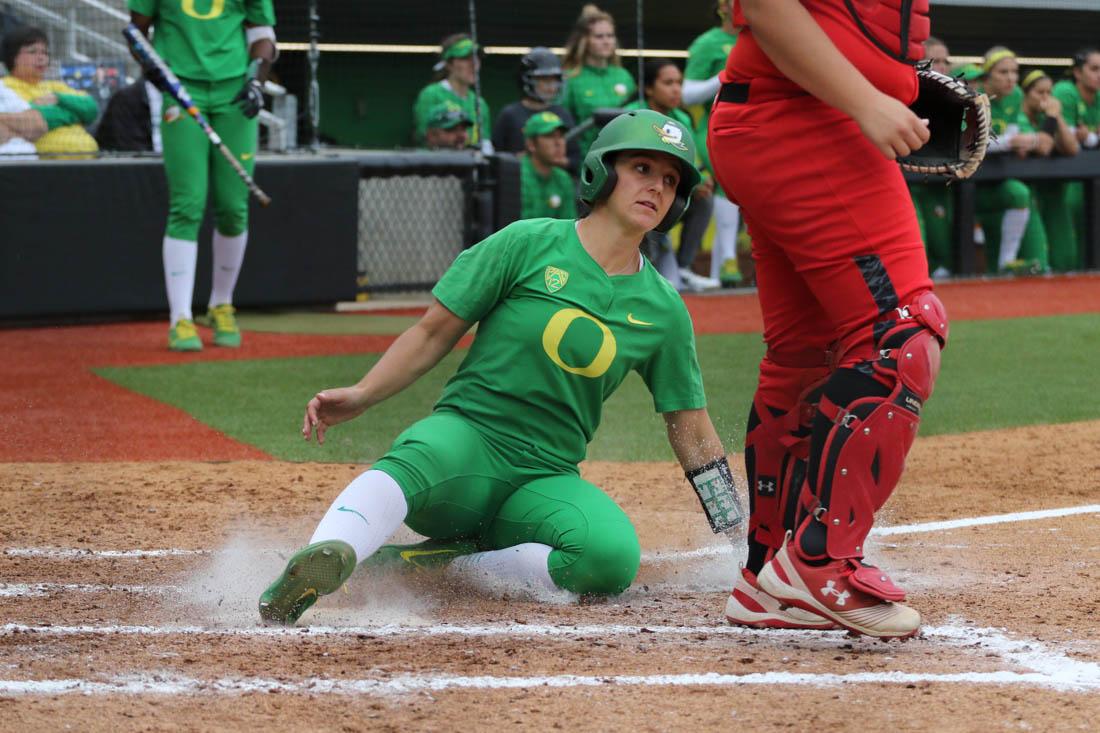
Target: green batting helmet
x: 641, y: 129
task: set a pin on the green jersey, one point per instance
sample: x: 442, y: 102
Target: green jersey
x: 707, y: 56
x: 204, y: 39
x: 557, y: 335
x: 1006, y: 114
x: 1074, y: 109
x: 589, y: 88
x: 441, y: 92
x: 551, y: 196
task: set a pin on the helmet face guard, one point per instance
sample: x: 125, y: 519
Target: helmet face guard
x: 538, y: 63
x: 649, y: 131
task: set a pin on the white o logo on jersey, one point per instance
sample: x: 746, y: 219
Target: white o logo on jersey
x: 555, y: 332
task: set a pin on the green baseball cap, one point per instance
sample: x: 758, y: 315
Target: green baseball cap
x: 447, y: 116
x: 543, y: 123
x: 460, y: 49
x: 969, y: 72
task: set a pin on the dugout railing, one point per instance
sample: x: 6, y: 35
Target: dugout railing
x: 1084, y: 167
x: 83, y: 238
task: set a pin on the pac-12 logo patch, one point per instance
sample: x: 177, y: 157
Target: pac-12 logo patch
x: 671, y: 134
x: 171, y: 114
x: 555, y: 279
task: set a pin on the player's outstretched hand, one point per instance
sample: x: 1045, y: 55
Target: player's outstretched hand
x: 331, y: 407
x: 892, y: 126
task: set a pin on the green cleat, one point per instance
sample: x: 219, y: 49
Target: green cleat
x: 184, y: 337
x: 224, y: 323
x: 314, y: 571
x: 427, y: 555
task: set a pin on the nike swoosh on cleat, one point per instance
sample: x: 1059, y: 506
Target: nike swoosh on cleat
x: 631, y: 319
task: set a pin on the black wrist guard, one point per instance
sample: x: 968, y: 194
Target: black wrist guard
x: 718, y: 494
x: 1050, y: 126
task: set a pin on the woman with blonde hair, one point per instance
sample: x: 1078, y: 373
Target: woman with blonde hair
x: 594, y: 76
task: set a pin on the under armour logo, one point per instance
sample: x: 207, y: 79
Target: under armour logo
x: 830, y: 590
x: 765, y: 486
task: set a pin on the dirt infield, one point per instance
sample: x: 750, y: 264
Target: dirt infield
x: 167, y: 638
x: 132, y: 559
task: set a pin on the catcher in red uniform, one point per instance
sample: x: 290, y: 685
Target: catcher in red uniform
x: 805, y: 132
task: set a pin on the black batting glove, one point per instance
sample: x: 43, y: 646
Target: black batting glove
x: 251, y: 98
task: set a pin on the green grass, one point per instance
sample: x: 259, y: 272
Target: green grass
x: 995, y: 374
x: 324, y: 323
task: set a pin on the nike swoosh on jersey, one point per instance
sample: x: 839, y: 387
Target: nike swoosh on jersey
x: 631, y: 319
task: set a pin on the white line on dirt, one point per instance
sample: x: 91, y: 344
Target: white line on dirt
x: 502, y: 630
x: 67, y: 553
x: 715, y: 550
x: 170, y: 685
x: 33, y: 590
x: 64, y: 553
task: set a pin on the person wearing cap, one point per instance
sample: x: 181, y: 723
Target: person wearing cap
x: 1007, y: 211
x: 459, y: 65
x: 662, y: 84
x: 707, y: 56
x: 447, y: 127
x: 1044, y: 113
x: 545, y: 188
x: 594, y: 76
x: 932, y: 200
x: 1080, y: 98
x: 566, y: 310
x: 540, y: 82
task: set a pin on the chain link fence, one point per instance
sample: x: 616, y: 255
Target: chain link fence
x: 410, y: 230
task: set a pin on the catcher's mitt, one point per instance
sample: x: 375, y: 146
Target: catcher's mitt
x: 958, y: 120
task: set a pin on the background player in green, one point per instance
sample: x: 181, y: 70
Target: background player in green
x: 1080, y: 98
x: 1007, y: 211
x: 706, y: 58
x: 221, y: 50
x: 594, y: 76
x: 662, y: 84
x: 447, y: 128
x: 565, y: 311
x: 931, y: 199
x: 1053, y: 136
x: 459, y: 64
x: 546, y: 189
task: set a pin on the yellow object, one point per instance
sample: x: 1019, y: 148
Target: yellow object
x: 68, y: 139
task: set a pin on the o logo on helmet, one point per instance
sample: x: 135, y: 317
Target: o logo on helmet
x: 216, y: 8
x: 555, y: 332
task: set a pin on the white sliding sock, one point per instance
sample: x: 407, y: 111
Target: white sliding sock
x: 365, y: 514
x: 727, y: 218
x: 521, y: 568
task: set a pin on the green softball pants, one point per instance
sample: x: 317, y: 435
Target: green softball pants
x: 192, y: 164
x: 460, y: 482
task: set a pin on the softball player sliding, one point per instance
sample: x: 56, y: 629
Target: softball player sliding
x: 221, y: 50
x: 1080, y: 98
x: 565, y: 310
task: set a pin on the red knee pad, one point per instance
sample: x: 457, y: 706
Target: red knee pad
x: 864, y: 453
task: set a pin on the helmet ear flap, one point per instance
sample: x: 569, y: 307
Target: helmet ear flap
x: 598, y: 179
x: 679, y: 207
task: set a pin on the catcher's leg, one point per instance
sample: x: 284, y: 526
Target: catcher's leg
x: 791, y: 374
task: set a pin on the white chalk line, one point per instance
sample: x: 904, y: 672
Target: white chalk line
x: 169, y: 685
x: 652, y: 556
x: 37, y: 590
x: 1047, y: 668
x: 716, y: 550
x: 395, y: 630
